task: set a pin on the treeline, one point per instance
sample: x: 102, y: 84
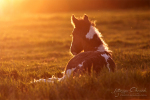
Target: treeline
x: 45, y: 6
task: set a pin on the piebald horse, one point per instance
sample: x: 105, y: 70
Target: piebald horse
x: 96, y: 54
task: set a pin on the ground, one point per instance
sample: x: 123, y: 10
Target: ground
x: 34, y: 46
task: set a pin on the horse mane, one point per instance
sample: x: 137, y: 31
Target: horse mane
x: 96, y: 31
x: 101, y: 38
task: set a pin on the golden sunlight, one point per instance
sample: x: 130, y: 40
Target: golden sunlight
x: 2, y: 3
x: 7, y: 6
x: 23, y: 6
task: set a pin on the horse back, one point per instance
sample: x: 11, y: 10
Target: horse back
x: 91, y: 59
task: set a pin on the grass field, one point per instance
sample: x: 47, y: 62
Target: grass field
x: 34, y: 46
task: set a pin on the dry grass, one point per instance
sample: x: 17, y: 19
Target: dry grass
x: 34, y: 46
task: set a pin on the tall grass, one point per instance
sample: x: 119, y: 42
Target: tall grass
x: 37, y: 46
x: 84, y: 87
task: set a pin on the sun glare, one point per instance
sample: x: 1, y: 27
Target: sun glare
x: 1, y: 2
x: 29, y: 6
x: 6, y: 6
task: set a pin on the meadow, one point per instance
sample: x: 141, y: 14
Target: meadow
x: 34, y: 46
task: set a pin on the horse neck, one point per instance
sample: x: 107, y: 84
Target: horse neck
x: 94, y: 42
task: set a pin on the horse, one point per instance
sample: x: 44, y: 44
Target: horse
x: 89, y: 49
x: 96, y: 54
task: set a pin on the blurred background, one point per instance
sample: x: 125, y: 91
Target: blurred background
x: 47, y: 6
x: 35, y: 41
x: 40, y: 29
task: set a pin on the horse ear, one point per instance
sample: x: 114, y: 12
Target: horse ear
x: 73, y: 20
x: 86, y: 18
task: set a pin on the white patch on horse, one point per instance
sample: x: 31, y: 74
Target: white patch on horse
x: 69, y: 71
x: 51, y: 80
x: 80, y: 65
x: 106, y: 58
x: 101, y: 48
x: 92, y: 32
x: 108, y: 66
x: 60, y: 79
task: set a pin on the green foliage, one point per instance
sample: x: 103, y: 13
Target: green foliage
x: 37, y: 46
